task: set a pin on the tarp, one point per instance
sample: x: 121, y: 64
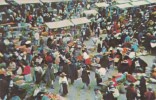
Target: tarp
x: 55, y: 0
x: 102, y: 4
x: 122, y: 1
x: 152, y: 1
x: 2, y: 2
x: 80, y: 20
x: 138, y: 3
x: 126, y: 5
x: 90, y: 11
x: 59, y: 24
x: 26, y: 1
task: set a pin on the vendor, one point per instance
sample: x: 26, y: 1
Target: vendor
x: 38, y: 73
x: 26, y: 72
x: 87, y: 59
x: 154, y: 71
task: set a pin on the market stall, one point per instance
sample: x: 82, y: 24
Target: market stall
x: 26, y: 1
x: 118, y: 77
x: 123, y: 7
x: 55, y: 26
x: 80, y: 23
x: 55, y: 0
x: 103, y: 4
x: 139, y: 3
x: 59, y: 24
x: 89, y: 13
x: 122, y: 1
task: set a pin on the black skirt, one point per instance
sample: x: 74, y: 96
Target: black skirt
x: 38, y: 77
x: 65, y: 89
x: 99, y: 49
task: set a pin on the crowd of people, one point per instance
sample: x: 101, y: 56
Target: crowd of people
x: 118, y: 41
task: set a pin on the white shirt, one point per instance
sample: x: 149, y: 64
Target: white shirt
x: 13, y: 65
x: 38, y: 69
x: 102, y: 72
x: 120, y: 49
x: 99, y: 42
x: 39, y: 60
x: 37, y: 37
x: 6, y: 42
x: 19, y: 71
x: 85, y: 55
x: 131, y: 55
x: 64, y: 79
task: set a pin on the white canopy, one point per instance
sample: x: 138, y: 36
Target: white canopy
x: 59, y: 24
x: 55, y: 0
x: 2, y: 2
x: 126, y: 5
x: 26, y: 1
x: 103, y: 4
x: 90, y: 12
x: 122, y: 1
x: 80, y: 20
x: 138, y: 3
x: 152, y: 1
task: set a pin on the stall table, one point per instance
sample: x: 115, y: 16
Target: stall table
x: 119, y: 78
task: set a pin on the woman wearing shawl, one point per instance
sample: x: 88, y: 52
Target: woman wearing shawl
x: 63, y: 84
x: 49, y: 76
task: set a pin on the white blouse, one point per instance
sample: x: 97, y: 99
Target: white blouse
x: 64, y: 79
x: 85, y: 55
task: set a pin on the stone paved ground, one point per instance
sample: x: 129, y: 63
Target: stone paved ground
x: 75, y: 91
